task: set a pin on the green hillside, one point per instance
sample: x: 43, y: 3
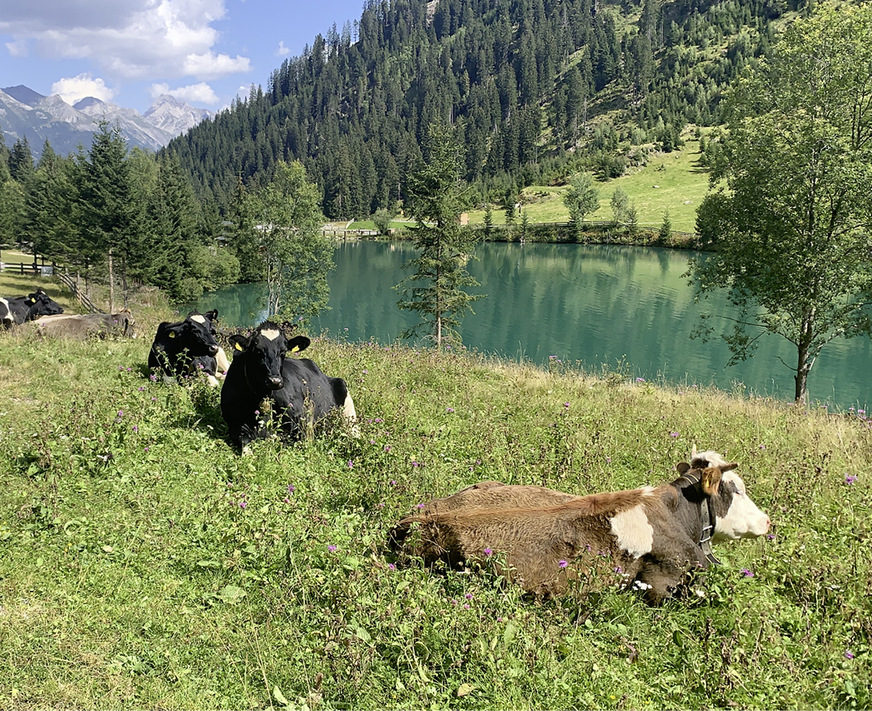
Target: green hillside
x: 536, y: 91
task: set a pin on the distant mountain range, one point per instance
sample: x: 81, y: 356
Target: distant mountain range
x: 26, y: 113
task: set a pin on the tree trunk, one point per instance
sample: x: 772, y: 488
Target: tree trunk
x: 111, y: 286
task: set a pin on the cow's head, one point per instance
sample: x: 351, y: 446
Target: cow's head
x: 263, y: 352
x: 737, y: 516
x: 41, y: 304
x: 196, y: 334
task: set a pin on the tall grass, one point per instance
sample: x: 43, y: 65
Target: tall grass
x: 143, y: 563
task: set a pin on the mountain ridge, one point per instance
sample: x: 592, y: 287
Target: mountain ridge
x: 25, y: 113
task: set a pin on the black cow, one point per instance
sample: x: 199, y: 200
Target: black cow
x: 177, y: 346
x: 18, y: 309
x: 300, y: 394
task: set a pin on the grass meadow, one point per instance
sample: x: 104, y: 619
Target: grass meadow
x: 145, y: 564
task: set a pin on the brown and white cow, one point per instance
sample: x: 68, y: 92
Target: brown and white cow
x: 543, y: 539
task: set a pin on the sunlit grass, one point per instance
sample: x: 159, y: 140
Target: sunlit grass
x: 143, y: 563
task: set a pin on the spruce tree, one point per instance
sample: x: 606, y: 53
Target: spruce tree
x: 435, y: 291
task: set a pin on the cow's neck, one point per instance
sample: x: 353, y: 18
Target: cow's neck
x: 707, y: 517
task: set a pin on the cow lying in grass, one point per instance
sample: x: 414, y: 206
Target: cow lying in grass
x: 84, y: 326
x: 296, y: 390
x: 544, y: 540
x: 15, y: 310
x: 187, y: 347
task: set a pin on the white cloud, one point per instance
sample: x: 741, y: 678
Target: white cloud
x: 282, y: 51
x: 194, y: 94
x: 71, y: 89
x: 128, y: 38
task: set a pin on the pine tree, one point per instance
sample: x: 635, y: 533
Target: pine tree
x: 435, y: 291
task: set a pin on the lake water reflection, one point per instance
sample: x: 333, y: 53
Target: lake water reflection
x: 619, y: 307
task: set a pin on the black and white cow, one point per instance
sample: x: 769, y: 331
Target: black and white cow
x: 178, y: 348
x: 298, y: 392
x: 18, y: 309
x: 650, y: 538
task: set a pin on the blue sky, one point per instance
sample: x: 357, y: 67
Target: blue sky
x: 128, y: 52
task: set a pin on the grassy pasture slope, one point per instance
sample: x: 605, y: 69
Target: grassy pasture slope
x: 143, y: 564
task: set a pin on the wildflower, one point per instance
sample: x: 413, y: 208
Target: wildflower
x: 391, y: 566
x: 640, y: 380
x: 141, y: 388
x: 350, y: 464
x: 287, y: 500
x: 393, y: 482
x: 120, y: 413
x: 387, y: 448
x: 135, y: 429
x: 562, y: 563
x: 414, y: 463
x: 378, y: 419
x: 770, y: 537
x: 420, y: 506
x: 673, y: 434
x: 746, y: 573
x: 566, y: 405
x: 449, y: 409
x: 468, y: 596
x: 331, y: 548
x: 848, y: 654
x: 488, y: 552
x: 466, y: 607
x: 552, y: 357
x: 861, y: 412
x: 243, y: 504
x: 619, y: 569
x: 291, y: 488
x: 850, y: 479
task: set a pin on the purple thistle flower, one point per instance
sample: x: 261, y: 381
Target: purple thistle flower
x: 414, y: 463
x: 391, y: 566
x: 243, y: 504
x: 135, y: 429
x: 488, y: 551
x: 850, y: 479
x: 465, y: 607
x: 619, y: 569
x: 848, y: 654
x: 566, y: 405
x: 449, y: 409
x: 350, y: 464
x: 673, y: 434
x: 468, y: 596
x: 420, y: 506
x: 746, y: 573
x: 331, y: 548
x: 387, y: 448
x: 640, y: 380
x: 121, y: 413
x: 562, y: 563
x: 291, y: 488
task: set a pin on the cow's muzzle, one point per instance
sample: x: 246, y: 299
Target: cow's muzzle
x: 275, y: 383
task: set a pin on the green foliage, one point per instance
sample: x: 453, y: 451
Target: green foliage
x: 435, y: 290
x: 581, y: 198
x: 382, y: 220
x: 792, y: 220
x: 297, y: 256
x: 145, y: 564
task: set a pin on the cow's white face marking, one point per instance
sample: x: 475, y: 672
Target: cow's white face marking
x: 270, y: 334
x: 743, y: 519
x: 634, y: 532
x: 198, y: 318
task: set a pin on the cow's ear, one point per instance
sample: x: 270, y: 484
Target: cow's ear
x: 682, y: 467
x: 729, y: 467
x: 711, y: 479
x: 240, y: 343
x: 212, y: 315
x: 298, y: 343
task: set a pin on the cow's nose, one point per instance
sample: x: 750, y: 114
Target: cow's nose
x: 213, y: 350
x: 275, y: 383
